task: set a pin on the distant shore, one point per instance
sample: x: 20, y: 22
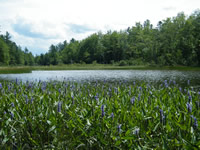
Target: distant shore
x: 29, y: 69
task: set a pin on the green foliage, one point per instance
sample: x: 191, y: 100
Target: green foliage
x: 174, y: 41
x: 99, y: 115
x: 11, y: 54
x: 4, y: 53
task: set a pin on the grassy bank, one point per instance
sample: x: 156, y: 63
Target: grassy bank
x: 28, y: 69
x: 15, y: 69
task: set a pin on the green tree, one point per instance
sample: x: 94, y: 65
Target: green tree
x: 4, y: 53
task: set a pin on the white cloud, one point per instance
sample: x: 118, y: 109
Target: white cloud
x: 53, y: 21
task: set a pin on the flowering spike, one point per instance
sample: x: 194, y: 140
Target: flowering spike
x: 195, y: 123
x: 102, y: 111
x: 189, y: 107
x: 133, y: 100
x: 59, y: 106
x: 119, y: 128
x: 112, y: 115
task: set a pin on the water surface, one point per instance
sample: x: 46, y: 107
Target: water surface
x: 151, y: 76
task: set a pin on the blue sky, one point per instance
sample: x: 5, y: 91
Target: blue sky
x: 36, y: 24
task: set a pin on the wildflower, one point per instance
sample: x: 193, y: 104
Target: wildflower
x: 31, y: 99
x: 139, y: 96
x: 195, y: 125
x: 1, y: 86
x: 189, y: 107
x: 29, y: 86
x: 166, y: 85
x: 12, y: 104
x: 137, y: 131
x: 133, y: 100
x: 96, y: 97
x: 116, y: 90
x: 140, y: 88
x: 162, y: 117
x: 59, y: 106
x: 190, y: 98
x: 112, y: 115
x: 174, y: 82
x: 119, y: 128
x: 188, y: 82
x: 59, y: 90
x: 12, y: 115
x: 15, y: 93
x: 180, y: 89
x: 102, y: 111
x: 188, y: 93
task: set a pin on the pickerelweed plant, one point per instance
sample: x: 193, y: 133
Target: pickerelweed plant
x: 98, y: 115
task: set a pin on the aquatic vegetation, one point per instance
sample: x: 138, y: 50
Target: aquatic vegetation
x: 98, y: 115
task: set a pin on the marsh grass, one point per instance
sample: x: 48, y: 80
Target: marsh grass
x: 29, y: 69
x: 15, y: 70
x: 98, y: 115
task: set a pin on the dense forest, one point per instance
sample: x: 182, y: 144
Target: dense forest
x: 174, y: 41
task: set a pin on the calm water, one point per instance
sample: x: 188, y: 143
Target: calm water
x: 151, y: 76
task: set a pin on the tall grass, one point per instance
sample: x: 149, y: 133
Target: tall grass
x: 98, y: 115
x: 29, y: 69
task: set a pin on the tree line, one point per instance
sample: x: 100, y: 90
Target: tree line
x: 174, y: 41
x: 11, y: 54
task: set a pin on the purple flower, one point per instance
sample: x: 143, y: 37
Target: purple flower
x: 139, y: 96
x: 96, y: 98
x: 195, y: 125
x: 189, y: 107
x: 102, y: 111
x: 59, y: 90
x: 119, y: 128
x: 162, y: 117
x: 116, y: 90
x: 140, y: 88
x: 133, y: 100
x: 180, y: 89
x: 174, y: 82
x: 12, y: 104
x: 137, y: 131
x: 188, y: 82
x: 31, y: 99
x: 190, y: 98
x: 1, y: 86
x: 166, y: 85
x: 59, y: 106
x: 15, y: 93
x: 112, y: 115
x: 12, y: 115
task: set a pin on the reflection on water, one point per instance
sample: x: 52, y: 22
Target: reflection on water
x: 151, y: 76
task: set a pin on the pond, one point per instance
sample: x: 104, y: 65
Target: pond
x: 150, y: 76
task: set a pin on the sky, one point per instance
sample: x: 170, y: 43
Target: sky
x: 36, y: 24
